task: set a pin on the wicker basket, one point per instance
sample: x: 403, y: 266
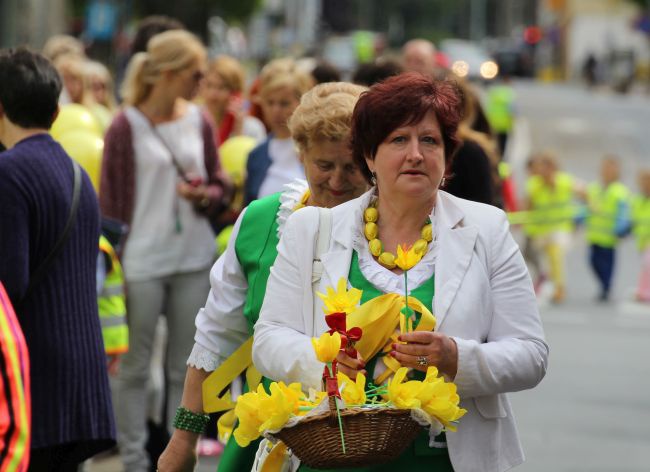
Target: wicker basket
x: 372, y: 436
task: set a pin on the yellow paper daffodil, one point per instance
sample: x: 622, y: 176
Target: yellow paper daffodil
x: 259, y: 411
x: 440, y: 399
x: 277, y: 408
x: 247, y: 411
x: 341, y: 300
x: 327, y: 347
x: 407, y: 257
x: 352, y: 392
x: 404, y: 395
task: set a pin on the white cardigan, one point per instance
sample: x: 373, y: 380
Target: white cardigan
x: 484, y: 300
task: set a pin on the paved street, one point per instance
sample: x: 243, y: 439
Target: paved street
x: 592, y: 411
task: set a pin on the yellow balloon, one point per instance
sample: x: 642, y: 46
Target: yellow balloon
x: 74, y: 117
x: 86, y: 149
x: 233, y: 154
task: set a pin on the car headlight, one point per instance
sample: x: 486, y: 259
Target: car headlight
x: 460, y: 68
x: 489, y: 70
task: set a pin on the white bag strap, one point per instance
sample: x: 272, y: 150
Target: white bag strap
x: 322, y: 244
x: 321, y: 247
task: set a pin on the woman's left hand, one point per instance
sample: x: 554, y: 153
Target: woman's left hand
x: 427, y: 348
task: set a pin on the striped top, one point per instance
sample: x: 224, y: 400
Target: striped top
x: 71, y: 401
x: 15, y: 403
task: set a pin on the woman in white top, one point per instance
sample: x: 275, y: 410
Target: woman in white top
x: 161, y: 177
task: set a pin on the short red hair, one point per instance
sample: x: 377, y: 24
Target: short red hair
x: 404, y: 100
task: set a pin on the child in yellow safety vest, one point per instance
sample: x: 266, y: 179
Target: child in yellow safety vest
x: 641, y: 230
x: 552, y: 210
x: 112, y: 304
x: 608, y: 218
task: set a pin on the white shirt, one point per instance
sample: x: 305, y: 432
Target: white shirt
x: 220, y: 325
x: 285, y: 167
x: 254, y: 128
x: 155, y: 248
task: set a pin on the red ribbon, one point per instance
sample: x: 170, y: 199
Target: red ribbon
x: 338, y: 323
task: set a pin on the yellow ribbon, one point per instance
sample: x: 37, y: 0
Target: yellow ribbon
x: 379, y: 318
x: 241, y: 360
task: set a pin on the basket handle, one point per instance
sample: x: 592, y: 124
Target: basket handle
x: 333, y: 419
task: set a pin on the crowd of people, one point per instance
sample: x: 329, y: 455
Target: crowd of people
x: 93, y: 257
x: 557, y: 203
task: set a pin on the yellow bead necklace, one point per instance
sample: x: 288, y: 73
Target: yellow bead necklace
x: 385, y: 258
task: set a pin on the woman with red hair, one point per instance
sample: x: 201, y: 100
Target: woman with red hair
x: 488, y: 335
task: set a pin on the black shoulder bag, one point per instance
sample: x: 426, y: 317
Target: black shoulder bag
x: 41, y: 270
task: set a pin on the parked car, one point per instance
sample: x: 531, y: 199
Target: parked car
x: 467, y: 59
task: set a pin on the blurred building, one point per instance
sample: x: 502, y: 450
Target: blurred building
x: 604, y: 29
x: 31, y: 22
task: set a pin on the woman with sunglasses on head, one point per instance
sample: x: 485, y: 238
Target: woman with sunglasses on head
x: 161, y: 176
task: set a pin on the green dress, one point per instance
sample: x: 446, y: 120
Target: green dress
x: 418, y: 456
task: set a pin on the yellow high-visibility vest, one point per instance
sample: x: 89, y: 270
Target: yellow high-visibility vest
x: 112, y: 304
x: 603, y: 209
x: 552, y: 207
x: 641, y: 221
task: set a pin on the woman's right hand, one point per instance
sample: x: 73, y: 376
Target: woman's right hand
x: 180, y: 454
x: 350, y: 366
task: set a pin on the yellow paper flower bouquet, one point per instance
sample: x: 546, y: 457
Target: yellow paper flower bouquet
x: 351, y: 423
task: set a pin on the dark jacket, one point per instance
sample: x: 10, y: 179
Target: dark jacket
x: 257, y: 166
x: 471, y: 174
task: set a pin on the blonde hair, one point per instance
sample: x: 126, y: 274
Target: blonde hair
x: 547, y: 157
x: 75, y: 66
x: 172, y: 50
x: 62, y: 44
x: 230, y: 71
x: 284, y: 73
x: 71, y: 64
x: 94, y: 69
x: 324, y: 113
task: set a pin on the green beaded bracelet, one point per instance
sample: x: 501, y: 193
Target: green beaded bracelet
x: 190, y: 421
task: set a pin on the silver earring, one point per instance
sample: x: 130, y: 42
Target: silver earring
x: 373, y: 179
x: 443, y: 182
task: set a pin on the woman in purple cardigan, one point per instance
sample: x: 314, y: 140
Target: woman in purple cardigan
x: 72, y: 417
x: 160, y: 176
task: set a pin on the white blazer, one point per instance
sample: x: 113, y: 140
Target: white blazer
x: 483, y: 299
